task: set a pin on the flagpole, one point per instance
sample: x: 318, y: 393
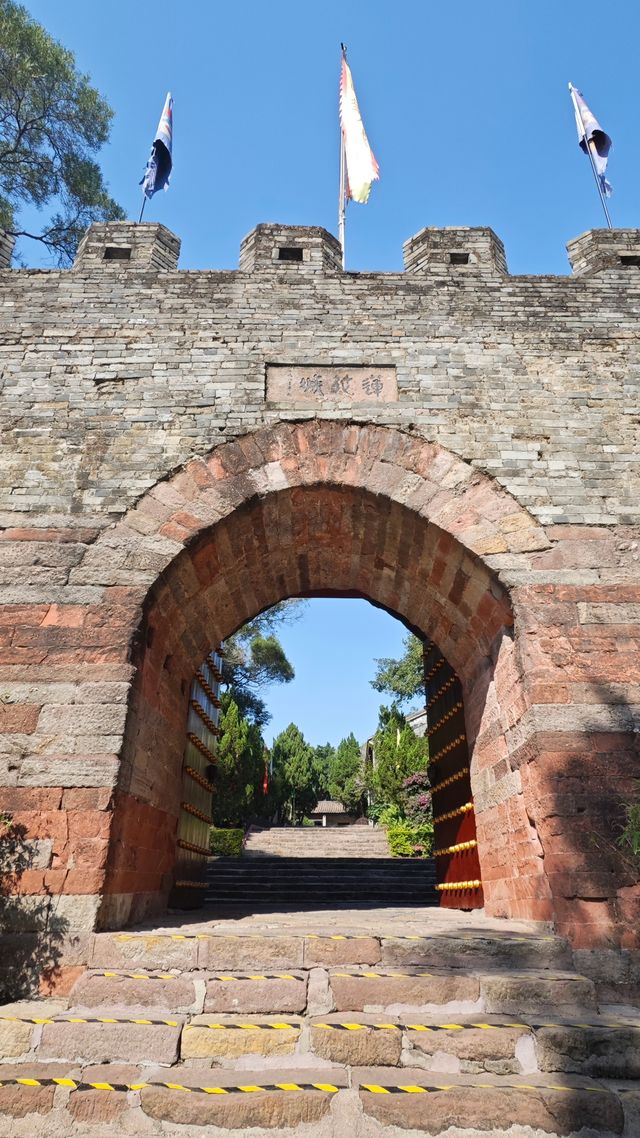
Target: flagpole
x: 144, y: 202
x: 342, y: 203
x: 342, y: 210
x: 589, y: 143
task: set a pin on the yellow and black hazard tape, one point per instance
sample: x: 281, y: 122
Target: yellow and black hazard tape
x: 412, y: 1089
x: 327, y: 1088
x: 261, y: 936
x: 378, y: 975
x: 414, y: 974
x: 288, y: 1026
x: 210, y: 976
x: 91, y: 1019
x: 476, y: 1026
x: 338, y: 936
x: 247, y: 1088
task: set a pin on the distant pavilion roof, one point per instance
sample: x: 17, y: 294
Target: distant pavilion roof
x: 328, y: 806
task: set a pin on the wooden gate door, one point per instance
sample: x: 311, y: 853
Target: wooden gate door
x: 198, y: 773
x: 455, y: 844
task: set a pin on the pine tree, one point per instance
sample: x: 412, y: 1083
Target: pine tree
x: 52, y: 122
x: 239, y: 769
x: 294, y: 761
x: 399, y: 752
x: 346, y: 783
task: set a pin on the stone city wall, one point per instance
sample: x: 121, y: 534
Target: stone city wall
x: 501, y: 411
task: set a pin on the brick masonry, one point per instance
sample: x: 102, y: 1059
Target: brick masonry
x: 152, y: 498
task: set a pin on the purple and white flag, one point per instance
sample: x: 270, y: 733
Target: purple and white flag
x: 158, y: 169
x: 592, y: 138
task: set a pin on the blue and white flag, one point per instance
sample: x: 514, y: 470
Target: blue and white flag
x: 592, y: 137
x: 156, y: 175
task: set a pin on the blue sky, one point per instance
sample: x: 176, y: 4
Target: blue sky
x: 466, y: 107
x: 333, y: 648
x: 467, y: 110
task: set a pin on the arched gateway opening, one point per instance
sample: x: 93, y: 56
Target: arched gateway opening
x: 324, y: 509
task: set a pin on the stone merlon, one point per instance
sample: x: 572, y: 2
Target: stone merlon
x: 456, y: 251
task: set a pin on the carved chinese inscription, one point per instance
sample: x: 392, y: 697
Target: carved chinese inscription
x: 326, y: 384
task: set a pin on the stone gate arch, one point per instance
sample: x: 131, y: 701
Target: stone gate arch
x: 303, y: 509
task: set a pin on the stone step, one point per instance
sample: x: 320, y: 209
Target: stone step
x: 280, y: 1097
x: 511, y: 992
x: 517, y: 951
x: 538, y: 1104
x: 325, y: 864
x: 318, y: 899
x: 212, y: 952
x: 327, y: 840
x: 375, y: 988
x: 306, y: 855
x: 304, y: 1096
x: 599, y: 1046
x: 290, y: 876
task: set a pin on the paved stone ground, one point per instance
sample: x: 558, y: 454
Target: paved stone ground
x: 380, y: 921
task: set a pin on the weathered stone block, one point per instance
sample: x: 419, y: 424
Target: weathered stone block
x: 477, y: 1049
x: 356, y: 1046
x: 122, y: 950
x: 251, y: 952
x: 521, y: 994
x: 206, y: 1037
x: 360, y: 993
x: 357, y: 950
x: 550, y: 1111
x: 594, y: 1051
x: 15, y: 1038
x: 94, y: 990
x: 245, y: 995
x: 479, y: 951
x: 103, y: 1042
x: 20, y: 1101
x: 270, y: 1109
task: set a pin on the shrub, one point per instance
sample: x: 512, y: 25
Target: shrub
x: 226, y: 843
x: 629, y: 839
x: 416, y: 797
x: 386, y: 813
x: 408, y: 840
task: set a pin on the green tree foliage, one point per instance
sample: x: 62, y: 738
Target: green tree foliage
x: 346, y: 784
x: 297, y: 771
x: 240, y: 769
x: 52, y: 122
x: 399, y: 753
x: 254, y: 658
x: 403, y: 679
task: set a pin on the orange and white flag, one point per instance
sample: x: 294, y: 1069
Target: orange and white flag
x: 361, y: 167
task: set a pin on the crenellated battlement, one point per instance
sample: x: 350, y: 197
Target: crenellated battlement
x: 299, y: 250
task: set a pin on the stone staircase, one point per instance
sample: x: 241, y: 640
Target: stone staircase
x: 303, y: 883
x: 317, y: 842
x: 303, y: 868
x: 309, y: 867
x: 352, y: 1033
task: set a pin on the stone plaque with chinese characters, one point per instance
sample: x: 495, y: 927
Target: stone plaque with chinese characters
x: 326, y: 384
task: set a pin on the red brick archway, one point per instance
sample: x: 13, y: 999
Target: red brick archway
x: 321, y: 509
